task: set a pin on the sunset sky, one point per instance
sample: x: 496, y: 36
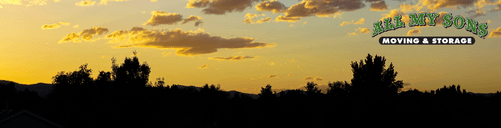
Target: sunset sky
x: 244, y: 44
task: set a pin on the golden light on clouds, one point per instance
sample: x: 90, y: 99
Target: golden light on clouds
x: 287, y: 19
x: 191, y: 18
x: 352, y: 34
x: 495, y: 33
x: 86, y: 3
x: 105, y: 2
x: 438, y: 4
x: 160, y: 17
x: 232, y: 58
x: 363, y: 30
x: 273, y: 6
x: 70, y: 37
x: 86, y: 34
x: 413, y: 31
x: 361, y: 21
x: 54, y: 26
x: 318, y: 78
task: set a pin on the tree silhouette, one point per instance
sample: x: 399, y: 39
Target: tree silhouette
x: 372, y: 79
x: 312, y: 89
x: 103, y: 80
x: 266, y: 93
x: 76, y: 78
x: 131, y: 73
x: 338, y: 89
x: 160, y: 83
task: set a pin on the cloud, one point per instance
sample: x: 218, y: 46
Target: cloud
x: 322, y: 8
x: 359, y: 29
x: 440, y: 18
x: 204, y: 66
x: 361, y: 21
x: 287, y: 19
x: 165, y: 54
x: 86, y: 3
x: 362, y: 30
x: 271, y: 76
x: 76, y: 26
x: 272, y: 6
x: 249, y: 18
x: 476, y: 13
x: 159, y: 17
x: 70, y: 37
x: 379, y: 6
x: 191, y: 18
x: 54, y: 26
x: 495, y: 33
x: 20, y: 2
x: 232, y: 58
x: 262, y: 20
x: 438, y: 4
x: 198, y: 23
x: 308, y: 78
x: 187, y: 43
x: 413, y: 31
x: 396, y: 12
x: 318, y: 78
x: 409, y: 8
x: 105, y: 2
x: 154, y: 0
x: 220, y: 7
x: 86, y: 34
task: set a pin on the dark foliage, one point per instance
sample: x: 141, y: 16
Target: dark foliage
x: 123, y: 98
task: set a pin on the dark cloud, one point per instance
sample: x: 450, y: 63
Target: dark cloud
x: 220, y: 7
x: 187, y: 43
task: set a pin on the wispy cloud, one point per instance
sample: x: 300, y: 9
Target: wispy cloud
x: 54, y: 26
x: 204, y: 66
x: 232, y: 58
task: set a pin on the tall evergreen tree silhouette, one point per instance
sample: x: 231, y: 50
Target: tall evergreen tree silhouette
x: 372, y: 79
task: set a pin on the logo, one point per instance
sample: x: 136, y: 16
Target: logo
x: 459, y: 22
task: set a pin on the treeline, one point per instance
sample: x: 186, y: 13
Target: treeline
x: 123, y: 97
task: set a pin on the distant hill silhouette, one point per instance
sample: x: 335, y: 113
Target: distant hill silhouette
x: 43, y: 89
